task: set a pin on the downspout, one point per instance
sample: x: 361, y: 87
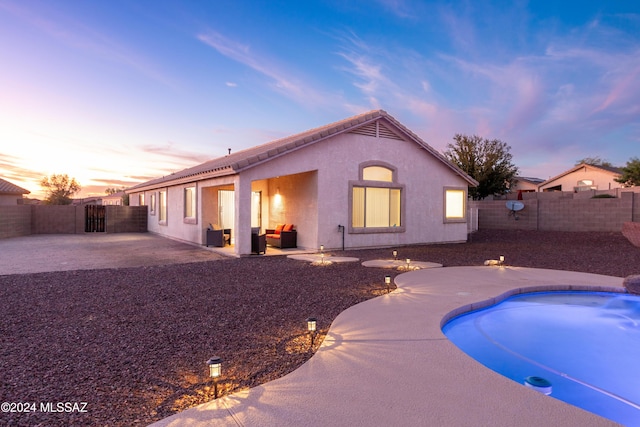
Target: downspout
x: 341, y: 229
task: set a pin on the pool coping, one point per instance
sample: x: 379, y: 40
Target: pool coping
x: 526, y: 290
x: 386, y: 361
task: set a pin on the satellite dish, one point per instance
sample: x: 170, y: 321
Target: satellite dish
x: 514, y: 205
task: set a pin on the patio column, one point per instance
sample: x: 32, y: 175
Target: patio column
x: 242, y: 215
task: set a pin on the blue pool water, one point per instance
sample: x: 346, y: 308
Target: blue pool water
x: 587, y: 344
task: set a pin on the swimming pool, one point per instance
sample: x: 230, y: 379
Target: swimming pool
x: 586, y: 344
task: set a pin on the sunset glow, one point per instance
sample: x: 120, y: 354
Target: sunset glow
x: 114, y: 93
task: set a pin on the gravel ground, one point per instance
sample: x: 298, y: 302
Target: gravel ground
x: 132, y: 342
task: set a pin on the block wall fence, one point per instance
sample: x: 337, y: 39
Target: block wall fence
x: 23, y: 220
x: 560, y: 213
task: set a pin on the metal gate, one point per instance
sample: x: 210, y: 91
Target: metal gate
x: 94, y: 218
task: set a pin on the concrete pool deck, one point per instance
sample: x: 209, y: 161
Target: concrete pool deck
x: 386, y: 362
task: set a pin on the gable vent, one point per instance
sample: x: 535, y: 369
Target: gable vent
x: 385, y: 132
x: 376, y: 130
x: 367, y: 130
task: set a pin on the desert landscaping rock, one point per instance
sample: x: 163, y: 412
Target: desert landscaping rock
x: 318, y: 259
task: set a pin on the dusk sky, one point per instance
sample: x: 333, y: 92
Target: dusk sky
x: 114, y: 93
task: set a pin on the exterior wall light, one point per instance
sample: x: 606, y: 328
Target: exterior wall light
x: 387, y: 281
x: 215, y: 370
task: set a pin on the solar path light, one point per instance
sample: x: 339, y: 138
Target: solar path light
x: 215, y: 370
x: 311, y: 327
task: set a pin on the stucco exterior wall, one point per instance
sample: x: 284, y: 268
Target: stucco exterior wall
x: 337, y: 161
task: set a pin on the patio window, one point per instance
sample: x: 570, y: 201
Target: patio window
x: 376, y: 207
x: 162, y: 216
x: 455, y: 207
x: 190, y: 205
x: 376, y: 200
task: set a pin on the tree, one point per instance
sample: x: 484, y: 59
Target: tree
x: 594, y: 161
x: 59, y: 189
x: 487, y: 161
x: 630, y: 173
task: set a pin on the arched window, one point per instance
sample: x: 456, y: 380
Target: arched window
x: 377, y: 173
x: 376, y: 200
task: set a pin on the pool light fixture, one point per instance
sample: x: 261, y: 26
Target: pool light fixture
x: 215, y: 370
x: 539, y: 384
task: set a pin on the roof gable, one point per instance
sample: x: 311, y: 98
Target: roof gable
x: 376, y: 123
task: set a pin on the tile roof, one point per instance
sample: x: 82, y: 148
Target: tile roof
x: 244, y: 159
x: 8, y: 188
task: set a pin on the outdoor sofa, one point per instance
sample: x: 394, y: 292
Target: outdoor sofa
x: 283, y: 236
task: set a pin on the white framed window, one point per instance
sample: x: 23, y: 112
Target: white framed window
x: 162, y: 208
x: 190, y: 205
x: 152, y: 204
x: 455, y: 204
x: 377, y: 200
x: 585, y: 185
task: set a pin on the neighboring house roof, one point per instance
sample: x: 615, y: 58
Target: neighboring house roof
x: 613, y: 171
x: 8, y: 188
x: 245, y: 159
x: 535, y: 181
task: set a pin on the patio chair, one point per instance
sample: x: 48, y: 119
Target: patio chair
x: 217, y: 236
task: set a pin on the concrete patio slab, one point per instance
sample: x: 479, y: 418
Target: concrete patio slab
x: 61, y: 252
x: 386, y: 362
x: 318, y: 259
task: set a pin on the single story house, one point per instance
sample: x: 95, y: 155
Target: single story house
x: 584, y: 177
x: 526, y: 184
x: 11, y: 194
x: 366, y: 181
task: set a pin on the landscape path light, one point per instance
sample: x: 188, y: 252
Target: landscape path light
x: 311, y: 328
x: 387, y: 281
x: 501, y: 260
x: 395, y: 255
x: 215, y: 370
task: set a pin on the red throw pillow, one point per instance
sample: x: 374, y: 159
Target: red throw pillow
x: 288, y: 227
x: 279, y: 228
